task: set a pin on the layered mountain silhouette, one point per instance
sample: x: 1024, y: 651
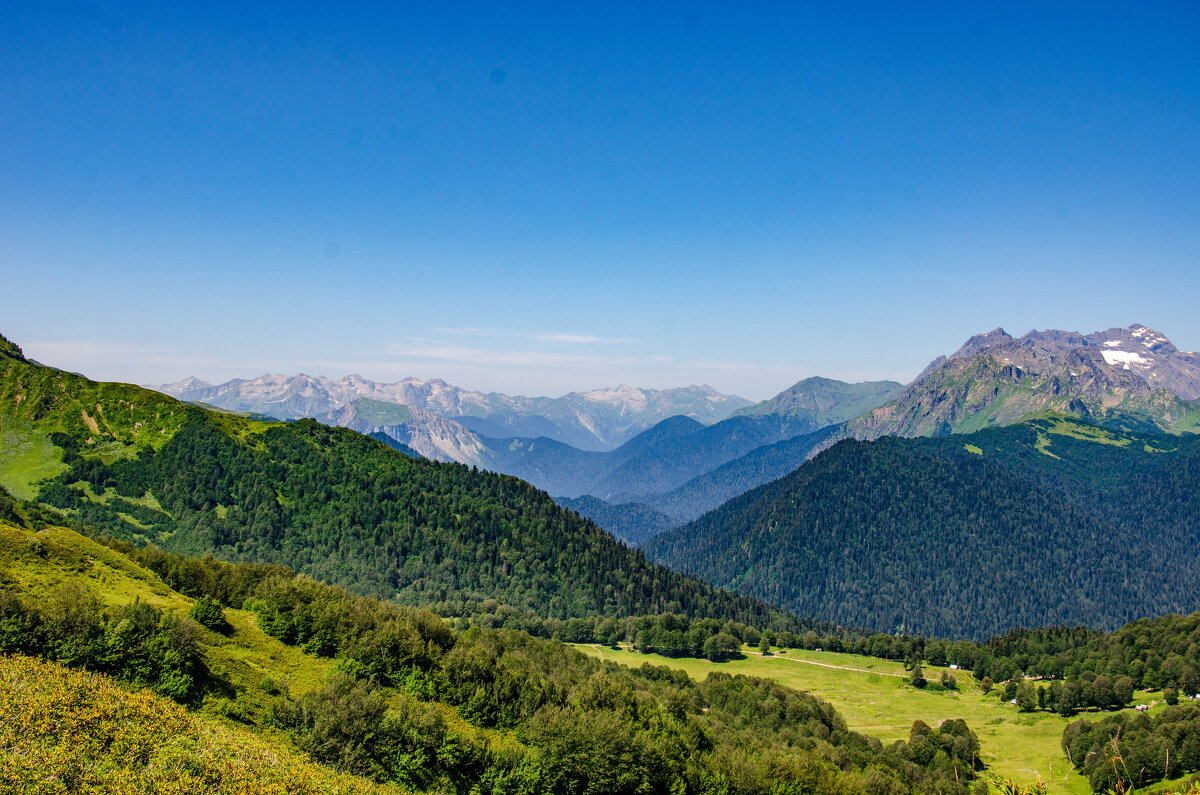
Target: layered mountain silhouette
x: 686, y: 451
x: 599, y: 419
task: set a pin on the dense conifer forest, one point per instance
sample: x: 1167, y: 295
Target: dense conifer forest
x: 1049, y: 522
x: 347, y: 509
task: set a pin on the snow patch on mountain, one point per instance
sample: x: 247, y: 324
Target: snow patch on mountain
x: 1124, y: 358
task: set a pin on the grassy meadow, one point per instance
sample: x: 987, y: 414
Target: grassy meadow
x: 876, y: 699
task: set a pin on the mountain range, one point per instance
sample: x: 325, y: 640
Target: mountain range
x: 948, y: 518
x: 598, y: 419
x: 676, y: 468
x: 652, y: 468
x: 140, y: 466
x: 681, y: 470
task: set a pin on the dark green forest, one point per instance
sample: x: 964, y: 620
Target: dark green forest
x: 1050, y: 522
x: 346, y: 509
x: 1155, y: 653
x: 633, y: 523
x: 714, y: 488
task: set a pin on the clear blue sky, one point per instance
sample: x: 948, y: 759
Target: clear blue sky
x: 539, y: 198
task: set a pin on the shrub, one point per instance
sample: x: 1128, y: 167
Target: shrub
x: 207, y: 612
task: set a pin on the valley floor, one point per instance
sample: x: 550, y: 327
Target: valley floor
x: 876, y: 699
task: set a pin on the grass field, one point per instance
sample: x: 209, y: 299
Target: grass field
x: 875, y: 698
x: 29, y: 456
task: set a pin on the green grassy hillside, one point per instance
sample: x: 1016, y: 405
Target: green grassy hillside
x: 390, y: 694
x: 114, y: 420
x: 244, y: 662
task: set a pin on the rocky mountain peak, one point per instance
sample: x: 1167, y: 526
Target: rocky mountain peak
x: 1131, y: 375
x: 981, y: 342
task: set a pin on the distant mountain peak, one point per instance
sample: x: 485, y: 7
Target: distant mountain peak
x: 819, y: 401
x: 1130, y: 376
x: 981, y: 342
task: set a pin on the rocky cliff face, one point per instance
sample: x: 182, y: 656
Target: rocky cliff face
x: 437, y: 438
x: 1152, y: 356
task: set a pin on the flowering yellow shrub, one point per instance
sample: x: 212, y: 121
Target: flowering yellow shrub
x: 65, y: 730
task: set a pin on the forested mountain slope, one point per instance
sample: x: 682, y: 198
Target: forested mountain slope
x: 1049, y: 522
x: 325, y: 501
x: 761, y: 465
x: 657, y: 460
x: 631, y: 522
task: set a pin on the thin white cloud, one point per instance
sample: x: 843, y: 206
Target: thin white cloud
x: 501, y: 357
x: 76, y: 349
x: 731, y: 366
x: 468, y: 331
x: 585, y: 339
x: 543, y: 336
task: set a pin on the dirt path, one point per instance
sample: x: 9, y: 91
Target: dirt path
x: 829, y: 665
x: 600, y: 648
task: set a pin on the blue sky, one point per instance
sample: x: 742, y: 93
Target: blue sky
x: 535, y: 199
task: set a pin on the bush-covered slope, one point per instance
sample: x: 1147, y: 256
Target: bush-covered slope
x: 65, y: 730
x: 1050, y: 522
x: 404, y: 698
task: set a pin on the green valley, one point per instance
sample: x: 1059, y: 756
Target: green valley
x: 155, y: 543
x: 876, y: 699
x: 390, y: 694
